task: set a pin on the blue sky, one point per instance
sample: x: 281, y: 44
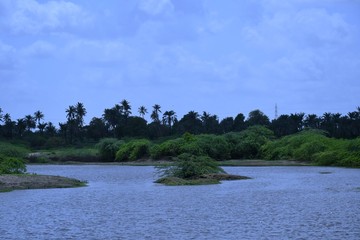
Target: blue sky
x: 223, y: 57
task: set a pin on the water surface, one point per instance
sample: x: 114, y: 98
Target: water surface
x: 122, y: 202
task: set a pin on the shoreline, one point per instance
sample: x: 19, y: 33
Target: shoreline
x: 149, y: 162
x: 10, y: 182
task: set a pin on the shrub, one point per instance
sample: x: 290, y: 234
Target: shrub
x: 10, y: 150
x: 247, y: 143
x: 133, y: 150
x: 108, y: 147
x: 11, y: 165
x: 189, y: 166
x: 215, y: 147
x: 169, y: 148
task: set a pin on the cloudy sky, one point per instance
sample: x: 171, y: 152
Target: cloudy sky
x: 224, y: 57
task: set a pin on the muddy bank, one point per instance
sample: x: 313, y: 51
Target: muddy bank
x: 9, y: 182
x: 206, y: 179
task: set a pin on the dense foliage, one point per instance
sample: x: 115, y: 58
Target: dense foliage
x: 118, y: 122
x: 11, y: 158
x: 315, y: 147
x: 330, y: 139
x: 188, y: 166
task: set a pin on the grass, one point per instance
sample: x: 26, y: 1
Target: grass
x: 88, y: 154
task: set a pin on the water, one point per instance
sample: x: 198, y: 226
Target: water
x: 122, y: 202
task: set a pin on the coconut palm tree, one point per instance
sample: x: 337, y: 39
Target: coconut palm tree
x: 50, y: 129
x: 169, y: 117
x: 38, y: 115
x: 70, y: 113
x: 30, y: 122
x: 1, y: 115
x: 126, y: 108
x: 155, y: 113
x: 142, y: 111
x: 80, y: 113
x: 20, y: 126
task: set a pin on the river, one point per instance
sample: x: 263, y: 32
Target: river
x: 122, y: 202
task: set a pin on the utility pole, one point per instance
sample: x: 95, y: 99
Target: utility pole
x: 276, y: 111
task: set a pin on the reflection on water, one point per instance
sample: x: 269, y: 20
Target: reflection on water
x: 122, y: 202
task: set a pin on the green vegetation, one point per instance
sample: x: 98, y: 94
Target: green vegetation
x: 193, y: 170
x: 133, y: 150
x: 11, y: 158
x: 330, y: 139
x: 189, y: 166
x: 314, y: 147
x: 108, y: 147
x: 11, y: 165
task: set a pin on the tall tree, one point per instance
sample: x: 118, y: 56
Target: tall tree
x: 126, y: 108
x: 257, y: 117
x: 190, y: 123
x: 1, y: 115
x: 50, y: 129
x: 30, y: 122
x: 38, y: 116
x: 142, y: 111
x: 20, y: 126
x: 155, y: 113
x: 169, y: 118
x: 80, y: 112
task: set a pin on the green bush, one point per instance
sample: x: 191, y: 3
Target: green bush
x: 11, y: 150
x: 11, y: 165
x: 215, y: 147
x: 169, y: 148
x: 189, y: 166
x: 247, y: 143
x: 108, y: 147
x: 133, y: 150
x: 315, y: 147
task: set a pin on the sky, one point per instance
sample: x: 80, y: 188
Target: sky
x: 221, y: 56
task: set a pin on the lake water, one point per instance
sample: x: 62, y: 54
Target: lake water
x: 122, y: 202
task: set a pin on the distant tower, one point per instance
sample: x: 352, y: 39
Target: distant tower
x: 276, y: 111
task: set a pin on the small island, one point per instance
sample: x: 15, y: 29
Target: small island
x: 9, y: 182
x: 193, y: 170
x: 13, y: 176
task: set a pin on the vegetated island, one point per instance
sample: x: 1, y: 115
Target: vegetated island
x: 13, y: 176
x: 194, y: 170
x: 9, y: 182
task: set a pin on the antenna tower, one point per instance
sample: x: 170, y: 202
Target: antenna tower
x: 276, y: 111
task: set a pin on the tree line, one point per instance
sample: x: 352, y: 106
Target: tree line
x: 120, y: 122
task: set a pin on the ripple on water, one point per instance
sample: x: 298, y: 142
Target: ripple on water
x: 123, y: 203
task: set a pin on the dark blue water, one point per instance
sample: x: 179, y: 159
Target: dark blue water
x: 122, y: 202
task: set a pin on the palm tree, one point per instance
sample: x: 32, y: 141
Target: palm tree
x: 126, y: 108
x: 38, y: 115
x: 155, y: 113
x: 80, y: 113
x: 21, y: 126
x: 169, y: 117
x: 30, y: 122
x: 70, y: 113
x: 1, y: 116
x: 41, y: 127
x: 142, y: 111
x: 50, y: 129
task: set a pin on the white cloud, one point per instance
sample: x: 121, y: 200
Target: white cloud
x: 29, y: 16
x: 39, y: 49
x: 307, y: 27
x: 7, y: 57
x: 155, y: 7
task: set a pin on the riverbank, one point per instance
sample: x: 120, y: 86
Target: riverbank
x: 9, y: 182
x: 149, y: 162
